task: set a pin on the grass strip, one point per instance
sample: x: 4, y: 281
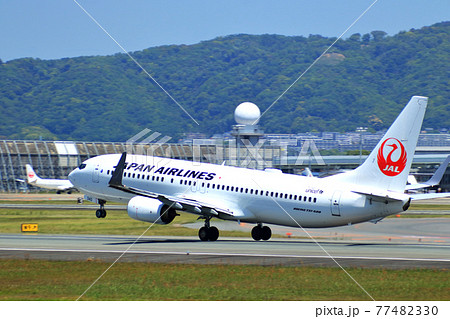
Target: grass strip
x: 85, y: 222
x: 64, y: 280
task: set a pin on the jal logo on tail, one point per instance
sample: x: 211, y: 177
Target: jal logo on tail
x: 30, y: 174
x: 392, y: 157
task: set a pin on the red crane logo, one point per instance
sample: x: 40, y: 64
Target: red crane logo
x: 387, y: 165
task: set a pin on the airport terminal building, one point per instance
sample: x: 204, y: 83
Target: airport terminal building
x: 56, y: 159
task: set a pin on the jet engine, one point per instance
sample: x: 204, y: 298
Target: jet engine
x: 150, y: 210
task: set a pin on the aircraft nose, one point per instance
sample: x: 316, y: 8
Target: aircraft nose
x: 73, y: 176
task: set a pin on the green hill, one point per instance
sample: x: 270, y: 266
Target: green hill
x: 364, y: 80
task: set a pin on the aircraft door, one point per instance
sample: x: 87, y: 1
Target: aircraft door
x: 96, y: 174
x: 202, y: 189
x: 199, y: 187
x: 335, y: 203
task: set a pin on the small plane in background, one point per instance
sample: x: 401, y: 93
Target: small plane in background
x: 155, y: 188
x: 433, y: 181
x: 60, y: 185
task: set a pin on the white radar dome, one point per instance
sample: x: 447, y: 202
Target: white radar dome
x: 247, y: 113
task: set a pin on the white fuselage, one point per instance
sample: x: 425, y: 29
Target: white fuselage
x: 250, y: 195
x: 58, y: 184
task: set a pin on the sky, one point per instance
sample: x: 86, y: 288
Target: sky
x: 54, y: 29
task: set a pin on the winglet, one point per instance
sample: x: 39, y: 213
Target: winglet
x: 116, y: 179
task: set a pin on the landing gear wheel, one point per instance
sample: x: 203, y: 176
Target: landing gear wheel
x: 213, y: 233
x: 266, y: 233
x: 208, y: 233
x: 261, y: 232
x: 203, y: 234
x: 257, y: 233
x: 100, y: 213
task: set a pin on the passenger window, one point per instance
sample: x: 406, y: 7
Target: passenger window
x: 315, y: 199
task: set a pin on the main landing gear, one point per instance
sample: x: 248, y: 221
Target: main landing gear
x: 261, y: 232
x: 101, y: 212
x: 208, y: 232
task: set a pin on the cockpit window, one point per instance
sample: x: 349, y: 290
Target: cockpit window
x: 82, y: 166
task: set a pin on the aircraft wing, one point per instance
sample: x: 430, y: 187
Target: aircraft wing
x: 190, y: 205
x: 434, y: 180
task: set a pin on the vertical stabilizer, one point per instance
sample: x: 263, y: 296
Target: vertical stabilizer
x: 388, y: 166
x: 31, y: 175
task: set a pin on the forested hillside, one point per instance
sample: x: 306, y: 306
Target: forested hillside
x: 365, y: 80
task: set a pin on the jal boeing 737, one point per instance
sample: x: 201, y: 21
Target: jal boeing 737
x: 60, y: 185
x: 155, y: 188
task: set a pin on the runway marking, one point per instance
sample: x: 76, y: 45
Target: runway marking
x: 220, y: 254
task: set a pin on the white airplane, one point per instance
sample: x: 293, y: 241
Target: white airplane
x: 60, y: 185
x: 156, y: 188
x: 433, y: 181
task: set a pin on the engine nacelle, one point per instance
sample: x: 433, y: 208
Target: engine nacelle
x: 150, y: 210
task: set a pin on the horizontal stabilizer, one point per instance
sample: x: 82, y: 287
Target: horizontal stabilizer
x: 429, y: 196
x: 384, y: 198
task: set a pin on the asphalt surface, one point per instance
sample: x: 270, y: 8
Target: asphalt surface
x: 393, y: 243
x: 287, y: 252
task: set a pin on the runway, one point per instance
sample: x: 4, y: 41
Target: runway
x: 287, y: 252
x: 393, y: 243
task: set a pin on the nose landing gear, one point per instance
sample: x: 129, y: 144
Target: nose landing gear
x: 101, y: 212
